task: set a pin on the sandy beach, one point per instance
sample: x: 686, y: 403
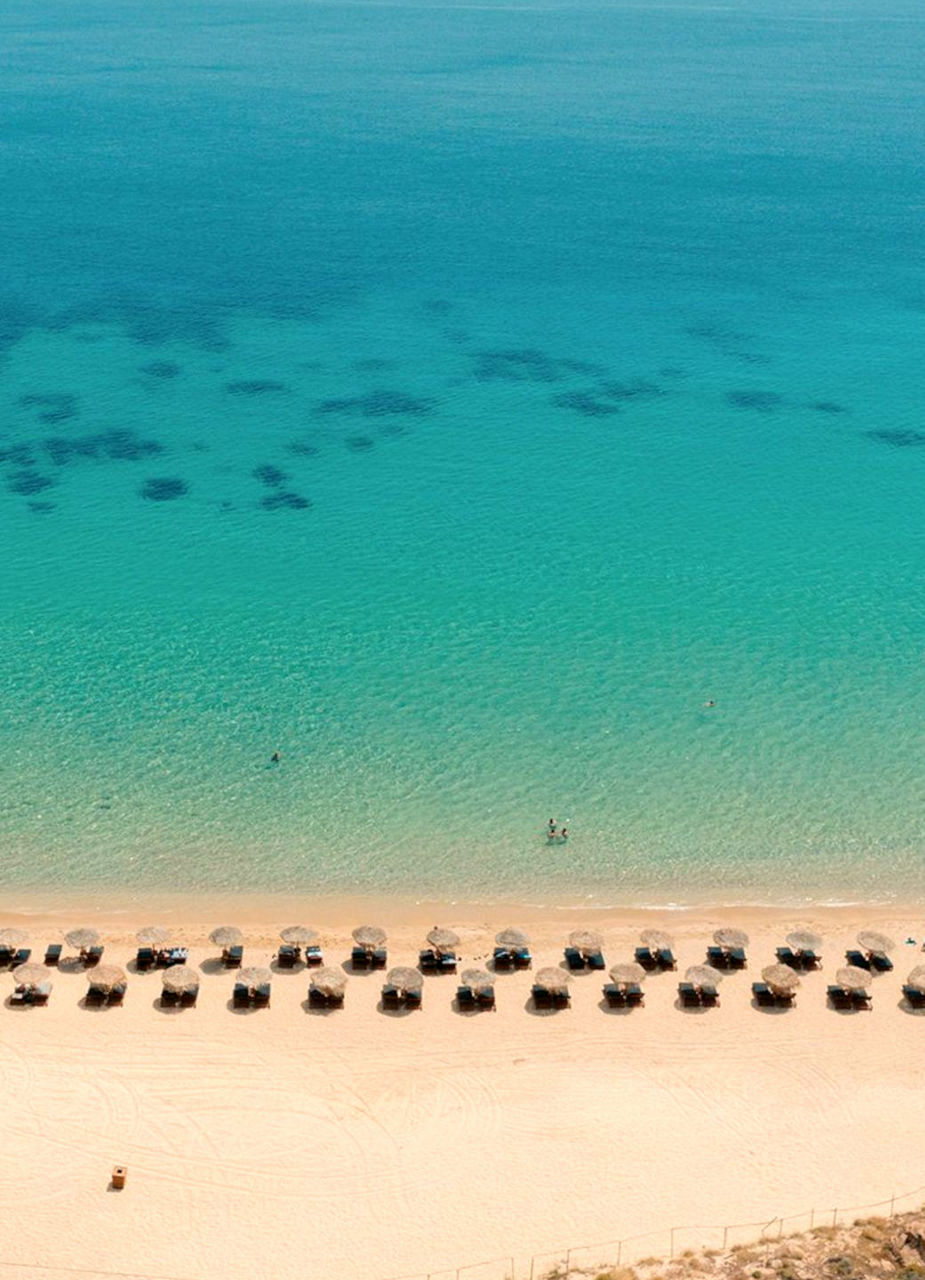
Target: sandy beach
x: 289, y: 1143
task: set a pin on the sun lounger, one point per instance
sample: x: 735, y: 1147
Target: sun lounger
x: 145, y: 959
x: 614, y: 995
x: 95, y: 999
x: 21, y: 956
x: 92, y: 956
x: 764, y: 996
x: 522, y: 958
x: 286, y: 958
x: 312, y: 957
x: 446, y: 962
x: 413, y: 999
x: 262, y: 996
x: 19, y: 998
x: 716, y: 957
x: 839, y: 997
x: 785, y: 999
x: 860, y: 1000
x: 232, y: 957
x: 574, y: 958
x: 53, y: 954
x: 503, y: 959
x: 116, y: 995
x: 316, y: 999
x: 880, y: 963
x: 561, y: 999
x: 188, y: 998
x: 542, y: 999
x: 380, y: 958
x: 688, y: 995
x: 485, y: 999
x: 648, y: 959
x: 40, y: 994
x: 360, y: 958
x: 428, y: 961
x: 635, y: 996
x: 241, y: 999
x: 736, y: 958
x: 709, y: 997
x: 173, y: 955
x: 170, y: 999
x: 914, y: 997
x: 666, y: 960
x: 596, y: 961
x: 465, y: 998
x: 858, y: 958
x: 391, y: 998
x: 6, y: 957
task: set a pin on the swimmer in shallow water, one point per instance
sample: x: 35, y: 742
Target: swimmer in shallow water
x: 551, y: 829
x: 710, y: 702
x: 275, y: 758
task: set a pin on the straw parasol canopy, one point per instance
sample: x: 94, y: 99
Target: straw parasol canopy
x: 512, y: 938
x: 226, y: 935
x: 106, y: 977
x: 255, y: 975
x: 916, y: 978
x: 30, y: 975
x: 780, y: 977
x: 552, y: 979
x: 11, y: 938
x: 703, y: 975
x: 656, y: 939
x: 877, y: 943
x: 730, y: 938
x: 803, y: 940
x: 585, y: 940
x: 478, y: 979
x: 298, y: 935
x: 369, y: 936
x: 153, y: 935
x: 443, y: 939
x: 180, y: 977
x: 405, y: 979
x: 80, y: 939
x: 853, y: 977
x: 328, y: 980
x: 625, y: 974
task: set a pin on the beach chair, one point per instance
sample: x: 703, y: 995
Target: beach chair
x: 648, y: 959
x: 116, y: 996
x: 336, y: 1000
x: 313, y: 957
x: 542, y: 999
x: 810, y: 960
x: 173, y: 955
x: 736, y: 958
x: 839, y: 997
x: 95, y: 999
x: 503, y: 960
x: 413, y: 999
x: 718, y: 958
x: 170, y: 999
x: 360, y: 959
x: 20, y: 998
x: 316, y: 999
x: 53, y: 954
x: 188, y: 998
x: 446, y: 962
x: 6, y: 957
x: 596, y: 961
x: 764, y: 996
x: 574, y: 958
x: 522, y: 958
x: 21, y: 956
x: 145, y: 959
x: 286, y: 958
x: 860, y: 1000
x: 262, y: 996
x: 465, y: 999
x: 615, y: 996
x: 666, y: 960
x: 428, y: 962
x: 880, y: 963
x: 785, y: 999
x: 688, y: 995
x: 39, y: 995
x: 379, y: 959
x: 914, y: 998
x: 485, y: 999
x: 858, y: 958
x: 561, y: 999
x: 709, y: 997
x: 92, y: 956
x: 232, y: 957
x: 788, y: 957
x: 635, y: 996
x: 241, y: 999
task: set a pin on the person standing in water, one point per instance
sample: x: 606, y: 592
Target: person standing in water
x: 551, y: 829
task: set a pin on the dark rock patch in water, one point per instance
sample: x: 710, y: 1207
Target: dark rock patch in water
x: 20, y: 455
x: 302, y: 448
x: 373, y: 365
x: 584, y: 402
x: 54, y: 408
x: 359, y: 444
x: 758, y: 401
x: 527, y: 365
x: 899, y: 437
x: 255, y: 387
x: 635, y: 389
x: 717, y: 333
x: 285, y: 498
x: 119, y: 445
x: 125, y: 446
x: 377, y: 404
x: 41, y: 508
x: 163, y: 489
x: 27, y: 482
x: 827, y: 406
x: 162, y: 369
x: 269, y: 475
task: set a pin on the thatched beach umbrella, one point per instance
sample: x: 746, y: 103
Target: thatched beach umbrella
x: 80, y: 939
x: 853, y: 977
x: 703, y: 975
x: 803, y: 940
x: 369, y: 936
x: 30, y: 975
x: 477, y: 979
x: 585, y: 940
x: 255, y: 975
x: 106, y: 977
x: 443, y: 939
x: 298, y: 935
x: 780, y: 977
x: 405, y: 979
x: 180, y: 978
x: 877, y: 944
x: 226, y: 935
x: 625, y: 975
x: 730, y: 938
x: 552, y: 979
x: 10, y: 939
x: 328, y: 980
x: 916, y: 979
x: 656, y: 939
x: 153, y: 935
x: 513, y: 939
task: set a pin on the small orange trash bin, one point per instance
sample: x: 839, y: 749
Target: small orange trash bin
x: 118, y: 1176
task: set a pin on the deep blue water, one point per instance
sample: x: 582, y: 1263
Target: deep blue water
x: 456, y: 398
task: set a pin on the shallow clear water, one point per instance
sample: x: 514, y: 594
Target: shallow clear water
x: 455, y: 399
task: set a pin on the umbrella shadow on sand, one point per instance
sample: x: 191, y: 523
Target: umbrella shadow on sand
x: 213, y: 964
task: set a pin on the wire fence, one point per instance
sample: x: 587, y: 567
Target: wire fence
x: 578, y: 1261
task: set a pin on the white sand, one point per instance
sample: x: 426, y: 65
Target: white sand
x: 287, y: 1144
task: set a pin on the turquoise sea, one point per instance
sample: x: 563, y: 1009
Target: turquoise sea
x: 455, y: 398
